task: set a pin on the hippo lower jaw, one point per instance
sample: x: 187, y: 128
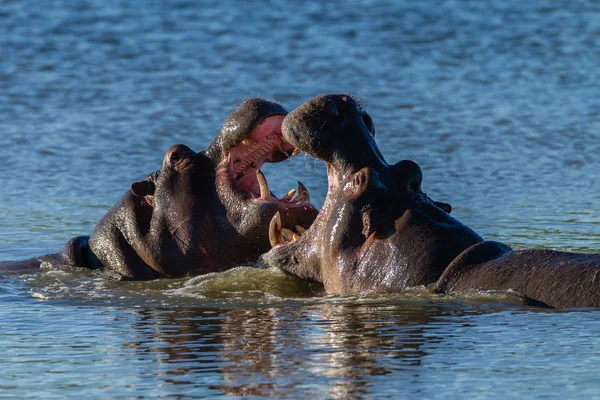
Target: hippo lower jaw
x: 279, y: 236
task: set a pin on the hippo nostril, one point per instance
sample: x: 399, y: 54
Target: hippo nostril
x: 177, y: 152
x: 348, y: 103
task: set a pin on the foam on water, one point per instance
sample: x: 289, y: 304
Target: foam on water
x: 238, y: 287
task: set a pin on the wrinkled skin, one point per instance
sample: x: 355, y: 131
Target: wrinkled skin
x: 165, y: 226
x: 377, y: 231
x: 201, y: 212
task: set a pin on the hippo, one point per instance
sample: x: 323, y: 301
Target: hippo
x: 201, y: 212
x: 377, y: 231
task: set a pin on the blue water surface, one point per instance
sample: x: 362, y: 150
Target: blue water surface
x: 497, y: 101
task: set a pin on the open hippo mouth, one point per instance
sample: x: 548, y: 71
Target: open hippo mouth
x: 250, y: 137
x: 318, y: 128
x: 244, y: 161
x: 377, y: 230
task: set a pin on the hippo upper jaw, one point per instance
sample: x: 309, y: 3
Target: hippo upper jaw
x: 241, y: 164
x: 336, y: 129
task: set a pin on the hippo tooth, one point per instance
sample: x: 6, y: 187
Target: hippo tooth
x: 295, y: 237
x: 287, y: 235
x: 245, y: 141
x: 275, y: 237
x: 296, y: 151
x: 303, y: 194
x: 265, y: 193
x: 289, y: 195
x: 300, y: 229
x: 301, y: 187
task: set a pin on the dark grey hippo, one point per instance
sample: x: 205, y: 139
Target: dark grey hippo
x: 201, y: 212
x: 553, y: 278
x: 377, y: 231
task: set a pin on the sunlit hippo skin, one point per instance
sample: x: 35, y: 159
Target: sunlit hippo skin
x: 201, y: 212
x: 377, y: 231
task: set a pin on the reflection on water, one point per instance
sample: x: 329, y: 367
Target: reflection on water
x: 346, y: 349
x: 497, y: 101
x: 332, y: 351
x: 163, y: 342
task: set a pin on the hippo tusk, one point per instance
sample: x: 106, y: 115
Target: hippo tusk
x: 265, y: 192
x: 288, y: 235
x: 288, y: 196
x: 296, y: 151
x: 275, y: 237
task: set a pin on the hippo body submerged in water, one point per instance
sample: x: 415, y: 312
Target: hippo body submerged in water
x: 553, y: 278
x: 201, y: 212
x: 378, y: 232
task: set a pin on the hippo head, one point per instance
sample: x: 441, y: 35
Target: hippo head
x: 250, y: 137
x: 210, y: 221
x: 165, y: 226
x: 178, y: 217
x: 377, y: 230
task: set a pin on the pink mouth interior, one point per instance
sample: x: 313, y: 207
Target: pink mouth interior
x: 261, y: 146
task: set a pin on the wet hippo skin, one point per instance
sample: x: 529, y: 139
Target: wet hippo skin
x: 378, y: 231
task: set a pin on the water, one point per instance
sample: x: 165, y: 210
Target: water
x: 497, y: 102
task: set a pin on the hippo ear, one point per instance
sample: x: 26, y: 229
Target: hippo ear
x: 143, y: 188
x: 408, y: 174
x: 444, y: 206
x: 365, y: 186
